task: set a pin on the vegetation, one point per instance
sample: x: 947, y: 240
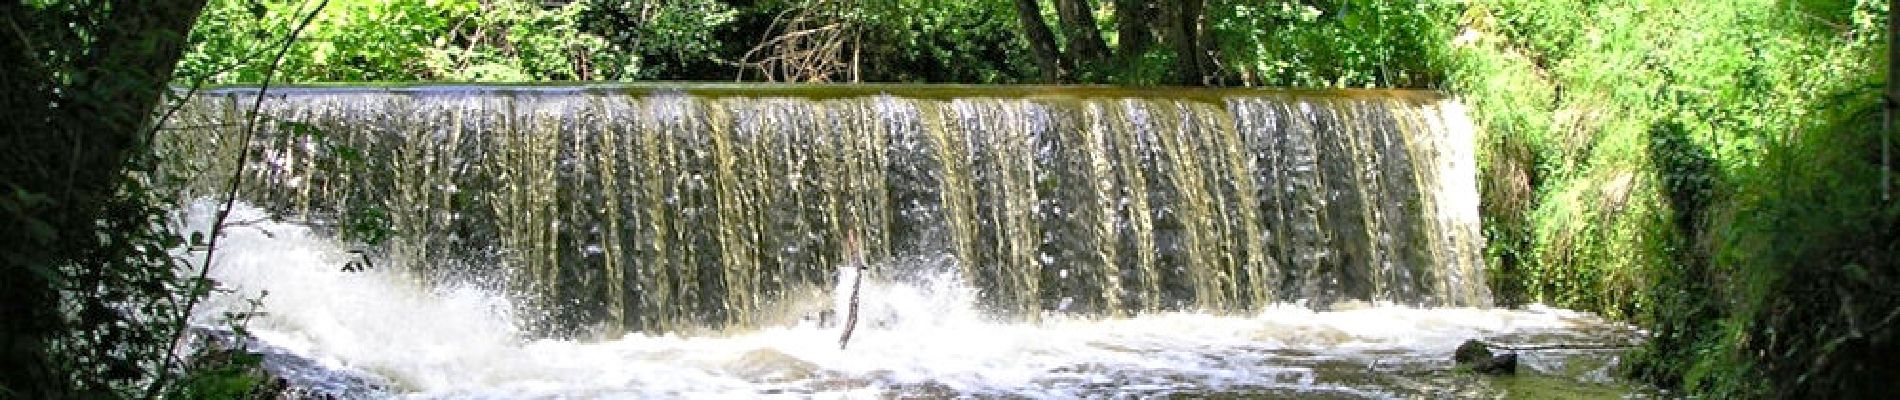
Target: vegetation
x: 1341, y: 43
x: 90, y: 295
x: 1717, y: 186
x: 1712, y: 170
x: 96, y: 293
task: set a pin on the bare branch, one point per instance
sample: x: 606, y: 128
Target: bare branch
x: 217, y: 225
x: 853, y: 255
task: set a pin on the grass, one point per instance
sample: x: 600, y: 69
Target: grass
x: 1700, y: 168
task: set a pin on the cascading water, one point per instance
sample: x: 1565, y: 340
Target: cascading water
x: 1192, y: 219
x: 657, y: 209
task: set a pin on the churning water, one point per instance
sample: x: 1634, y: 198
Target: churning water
x: 378, y: 333
x: 1023, y: 241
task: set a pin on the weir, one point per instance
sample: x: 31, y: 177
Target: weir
x: 665, y: 208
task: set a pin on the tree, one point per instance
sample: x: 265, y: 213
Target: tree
x: 1078, y: 24
x: 1132, y: 18
x: 1088, y: 58
x: 1181, y: 29
x: 82, y: 79
x: 1041, y: 40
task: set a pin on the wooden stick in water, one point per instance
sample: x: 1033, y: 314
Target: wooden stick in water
x: 857, y: 281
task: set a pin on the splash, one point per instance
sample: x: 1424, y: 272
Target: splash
x: 923, y: 335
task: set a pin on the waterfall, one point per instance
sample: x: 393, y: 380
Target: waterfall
x: 666, y: 208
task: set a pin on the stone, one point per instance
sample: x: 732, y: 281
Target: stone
x: 1471, y: 352
x: 1503, y: 364
x: 1477, y: 357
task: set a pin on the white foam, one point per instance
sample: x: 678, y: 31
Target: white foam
x: 921, y: 336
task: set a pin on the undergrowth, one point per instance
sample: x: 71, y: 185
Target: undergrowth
x: 1706, y: 169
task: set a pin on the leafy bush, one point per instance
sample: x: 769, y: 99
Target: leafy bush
x: 663, y: 39
x: 407, y: 40
x: 924, y: 41
x: 1643, y: 163
x: 1353, y: 43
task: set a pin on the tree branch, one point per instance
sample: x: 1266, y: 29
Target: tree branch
x: 224, y: 212
x: 1041, y: 40
x: 1078, y: 24
x: 854, y: 255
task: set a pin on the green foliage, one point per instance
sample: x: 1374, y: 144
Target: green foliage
x: 538, y: 44
x: 1685, y: 165
x: 928, y: 41
x: 370, y: 40
x: 370, y: 224
x: 227, y: 374
x: 90, y: 294
x: 1356, y: 43
x: 522, y: 41
x: 407, y: 40
x: 1351, y: 43
x: 226, y: 370
x: 663, y: 39
x: 1568, y: 109
x: 1810, y: 243
x: 93, y: 295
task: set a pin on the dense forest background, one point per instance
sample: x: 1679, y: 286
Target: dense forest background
x: 1215, y: 42
x: 1716, y: 171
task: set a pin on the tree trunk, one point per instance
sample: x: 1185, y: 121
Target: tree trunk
x: 1085, y: 39
x: 1132, y: 35
x: 1180, y: 27
x: 1206, y: 48
x: 1041, y: 40
x: 76, y: 112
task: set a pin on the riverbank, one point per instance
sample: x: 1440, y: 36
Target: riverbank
x: 1707, y: 169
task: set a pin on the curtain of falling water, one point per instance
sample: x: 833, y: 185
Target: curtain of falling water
x: 664, y: 210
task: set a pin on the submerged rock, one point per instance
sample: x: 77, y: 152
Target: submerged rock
x: 1504, y: 364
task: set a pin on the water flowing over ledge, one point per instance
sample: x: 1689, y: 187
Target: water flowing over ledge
x: 676, y: 208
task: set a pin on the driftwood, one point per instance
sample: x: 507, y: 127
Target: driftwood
x: 1558, y: 346
x: 857, y: 282
x: 851, y: 312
